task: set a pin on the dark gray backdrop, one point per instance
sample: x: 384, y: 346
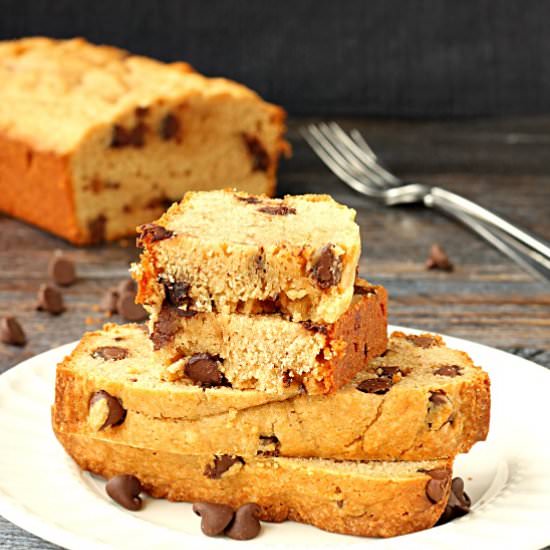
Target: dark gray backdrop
x: 383, y: 57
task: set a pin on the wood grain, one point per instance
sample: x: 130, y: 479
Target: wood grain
x: 503, y: 164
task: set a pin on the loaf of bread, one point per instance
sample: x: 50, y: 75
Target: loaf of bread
x: 270, y: 353
x: 420, y: 401
x: 94, y: 141
x: 374, y: 499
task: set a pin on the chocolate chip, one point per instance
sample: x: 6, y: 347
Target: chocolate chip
x: 448, y: 370
x: 423, y: 340
x: 142, y: 112
x: 245, y: 524
x: 438, y: 484
x: 379, y: 386
x: 269, y: 446
x: 126, y: 285
x: 249, y: 200
x: 116, y: 413
x: 11, y: 332
x: 169, y: 127
x: 177, y: 293
x: 438, y: 397
x: 151, y: 233
x: 128, y: 137
x: 50, y: 300
x: 203, y: 370
x: 327, y: 269
x: 458, y: 504
x: 214, y: 517
x: 109, y: 301
x: 96, y: 227
x: 128, y: 308
x: 61, y: 269
x: 110, y: 353
x: 258, y: 153
x: 363, y: 289
x: 221, y: 464
x: 165, y: 327
x: 438, y: 259
x: 315, y: 327
x: 278, y: 210
x: 125, y: 489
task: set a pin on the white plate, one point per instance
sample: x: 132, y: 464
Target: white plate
x: 508, y: 476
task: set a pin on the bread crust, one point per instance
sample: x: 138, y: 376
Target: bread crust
x: 340, y: 498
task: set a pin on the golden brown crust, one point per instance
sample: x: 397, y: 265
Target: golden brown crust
x: 344, y: 498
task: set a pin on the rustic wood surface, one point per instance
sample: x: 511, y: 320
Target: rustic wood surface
x: 503, y: 164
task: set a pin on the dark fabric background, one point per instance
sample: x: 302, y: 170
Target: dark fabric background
x: 384, y: 57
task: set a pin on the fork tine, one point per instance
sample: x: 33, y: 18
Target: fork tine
x: 360, y: 140
x: 367, y: 157
x: 362, y: 170
x: 319, y: 144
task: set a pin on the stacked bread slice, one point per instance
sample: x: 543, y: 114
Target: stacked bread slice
x: 266, y: 375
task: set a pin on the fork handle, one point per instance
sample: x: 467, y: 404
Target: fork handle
x: 452, y: 204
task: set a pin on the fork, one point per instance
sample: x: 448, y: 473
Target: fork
x: 352, y: 160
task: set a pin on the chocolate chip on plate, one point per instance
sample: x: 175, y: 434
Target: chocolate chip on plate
x: 106, y: 410
x: 110, y: 353
x: 438, y: 484
x: 203, y: 369
x: 458, y: 504
x: 62, y: 270
x: 245, y: 524
x: 448, y: 370
x: 11, y: 332
x: 214, y: 517
x: 379, y: 386
x: 128, y: 308
x: 220, y: 465
x: 125, y: 489
x: 327, y: 269
x: 50, y: 300
x: 438, y: 259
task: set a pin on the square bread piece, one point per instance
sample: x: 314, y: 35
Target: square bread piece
x: 270, y: 353
x: 420, y: 401
x: 371, y: 499
x: 232, y: 252
x: 94, y: 141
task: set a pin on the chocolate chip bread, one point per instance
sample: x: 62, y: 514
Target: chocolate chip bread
x: 270, y: 353
x: 375, y: 499
x: 230, y: 252
x: 94, y: 141
x: 420, y: 401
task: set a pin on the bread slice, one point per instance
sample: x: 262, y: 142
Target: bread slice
x: 375, y: 499
x: 233, y: 252
x: 94, y: 141
x: 421, y: 400
x: 270, y: 353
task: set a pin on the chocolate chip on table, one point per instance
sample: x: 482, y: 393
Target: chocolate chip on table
x: 379, y: 386
x: 220, y: 465
x: 128, y: 308
x: 50, y: 300
x: 438, y: 397
x: 11, y: 332
x: 277, y: 210
x: 116, y: 413
x: 169, y: 127
x: 109, y: 301
x: 126, y: 285
x: 458, y: 504
x: 214, y: 517
x: 62, y: 270
x: 327, y: 269
x: 125, y: 490
x: 438, y: 484
x: 151, y: 233
x: 423, y: 340
x: 203, y: 369
x: 110, y: 353
x: 258, y: 153
x: 438, y: 259
x: 448, y: 370
x: 245, y: 524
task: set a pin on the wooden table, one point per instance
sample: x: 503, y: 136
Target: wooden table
x: 503, y: 164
